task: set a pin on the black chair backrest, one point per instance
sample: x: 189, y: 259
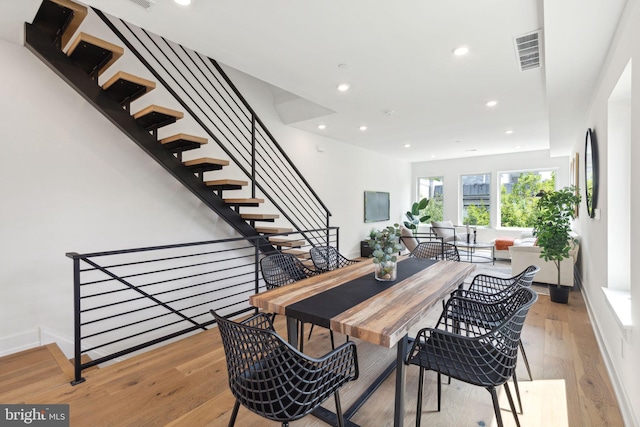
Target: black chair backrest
x: 490, y: 285
x: 281, y: 269
x: 474, y: 317
x: 436, y: 249
x: 327, y: 258
x: 273, y: 379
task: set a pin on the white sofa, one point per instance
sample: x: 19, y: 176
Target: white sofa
x: 524, y: 253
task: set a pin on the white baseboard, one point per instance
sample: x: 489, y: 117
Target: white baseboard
x: 35, y: 338
x: 626, y: 409
x: 19, y: 342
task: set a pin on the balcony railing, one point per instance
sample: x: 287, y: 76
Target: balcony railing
x: 129, y: 300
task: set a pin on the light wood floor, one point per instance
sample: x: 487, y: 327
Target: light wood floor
x: 185, y: 383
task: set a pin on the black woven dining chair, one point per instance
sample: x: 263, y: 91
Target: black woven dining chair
x: 489, y: 289
x: 436, y: 250
x: 280, y: 269
x: 470, y: 352
x: 274, y: 380
x: 283, y: 269
x: 327, y: 258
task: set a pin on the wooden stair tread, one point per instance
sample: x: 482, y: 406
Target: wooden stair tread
x: 59, y: 19
x: 205, y: 164
x: 226, y: 182
x: 207, y: 161
x: 61, y: 359
x: 299, y: 253
x: 259, y: 216
x: 182, y: 142
x: 285, y: 242
x: 79, y: 13
x: 125, y: 87
x: 244, y: 202
x: 155, y: 116
x: 273, y: 230
x: 93, y: 54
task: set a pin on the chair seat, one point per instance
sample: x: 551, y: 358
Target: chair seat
x: 481, y: 366
x: 284, y: 401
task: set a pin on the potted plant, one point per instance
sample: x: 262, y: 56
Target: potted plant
x: 386, y: 245
x: 414, y: 218
x: 552, y: 228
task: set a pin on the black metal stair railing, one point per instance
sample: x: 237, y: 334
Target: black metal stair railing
x: 128, y: 300
x: 200, y: 85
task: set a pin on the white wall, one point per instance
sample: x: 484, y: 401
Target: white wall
x: 622, y: 349
x: 71, y: 182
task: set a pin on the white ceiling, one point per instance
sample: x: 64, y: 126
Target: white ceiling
x: 397, y: 56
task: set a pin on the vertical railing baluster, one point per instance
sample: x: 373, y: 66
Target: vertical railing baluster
x: 77, y: 362
x: 253, y: 156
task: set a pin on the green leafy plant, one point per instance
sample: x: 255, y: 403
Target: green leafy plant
x: 414, y: 217
x: 552, y: 224
x: 385, y: 244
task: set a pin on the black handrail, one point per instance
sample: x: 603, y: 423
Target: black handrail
x: 130, y: 299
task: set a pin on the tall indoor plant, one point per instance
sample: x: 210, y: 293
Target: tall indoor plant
x: 552, y: 228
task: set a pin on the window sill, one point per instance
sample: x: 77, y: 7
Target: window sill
x: 620, y: 304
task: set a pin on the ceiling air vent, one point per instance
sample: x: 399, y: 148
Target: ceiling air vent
x: 144, y: 3
x: 528, y: 50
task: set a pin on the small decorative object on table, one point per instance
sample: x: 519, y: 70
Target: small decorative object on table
x: 386, y: 245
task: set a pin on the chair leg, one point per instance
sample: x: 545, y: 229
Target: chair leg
x: 515, y: 383
x: 310, y: 331
x: 496, y: 406
x: 234, y: 413
x: 419, y: 406
x: 333, y: 345
x: 440, y: 389
x: 524, y: 357
x: 339, y: 410
x: 513, y: 407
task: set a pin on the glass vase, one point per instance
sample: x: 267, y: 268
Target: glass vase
x: 386, y: 271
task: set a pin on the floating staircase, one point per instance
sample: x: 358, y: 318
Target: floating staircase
x: 86, y: 59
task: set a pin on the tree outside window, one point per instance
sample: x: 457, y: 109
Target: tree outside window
x: 432, y: 189
x: 476, y: 192
x: 518, y: 192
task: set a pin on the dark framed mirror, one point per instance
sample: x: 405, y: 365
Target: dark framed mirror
x: 591, y: 171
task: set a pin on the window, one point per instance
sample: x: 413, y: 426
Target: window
x: 517, y: 195
x: 431, y: 189
x: 476, y: 199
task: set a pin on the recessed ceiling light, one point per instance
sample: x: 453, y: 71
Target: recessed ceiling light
x: 407, y: 145
x: 433, y: 156
x: 183, y: 2
x: 460, y: 51
x: 322, y: 126
x: 363, y: 128
x: 343, y: 87
x: 492, y: 103
x: 508, y: 132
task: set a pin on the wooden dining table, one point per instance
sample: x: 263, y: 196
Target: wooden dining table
x: 351, y: 301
